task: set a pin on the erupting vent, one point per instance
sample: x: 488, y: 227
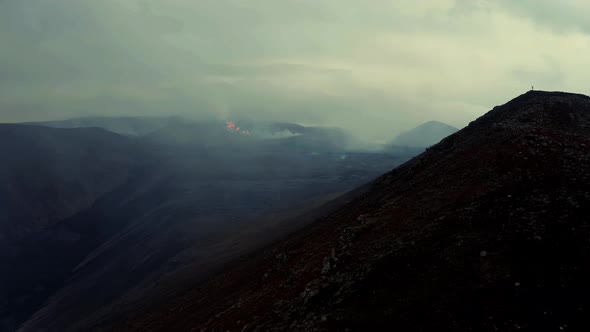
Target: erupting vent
x: 231, y: 126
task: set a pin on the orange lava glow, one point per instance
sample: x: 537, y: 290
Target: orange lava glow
x: 231, y: 126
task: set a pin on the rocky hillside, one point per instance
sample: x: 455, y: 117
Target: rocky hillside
x: 486, y: 231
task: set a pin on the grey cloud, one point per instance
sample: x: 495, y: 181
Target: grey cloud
x: 376, y: 67
x: 563, y: 16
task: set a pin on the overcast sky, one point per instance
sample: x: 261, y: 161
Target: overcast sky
x: 373, y: 66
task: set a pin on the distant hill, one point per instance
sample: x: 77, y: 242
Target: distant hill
x: 125, y: 125
x: 424, y: 135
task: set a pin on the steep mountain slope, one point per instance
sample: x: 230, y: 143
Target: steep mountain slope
x: 486, y: 231
x: 47, y: 176
x: 424, y: 135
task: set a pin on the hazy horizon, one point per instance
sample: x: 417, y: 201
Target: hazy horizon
x: 375, y: 68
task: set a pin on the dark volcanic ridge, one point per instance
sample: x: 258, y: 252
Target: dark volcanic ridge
x: 486, y: 231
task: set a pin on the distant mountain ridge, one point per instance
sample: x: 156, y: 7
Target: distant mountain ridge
x: 176, y: 130
x: 126, y: 125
